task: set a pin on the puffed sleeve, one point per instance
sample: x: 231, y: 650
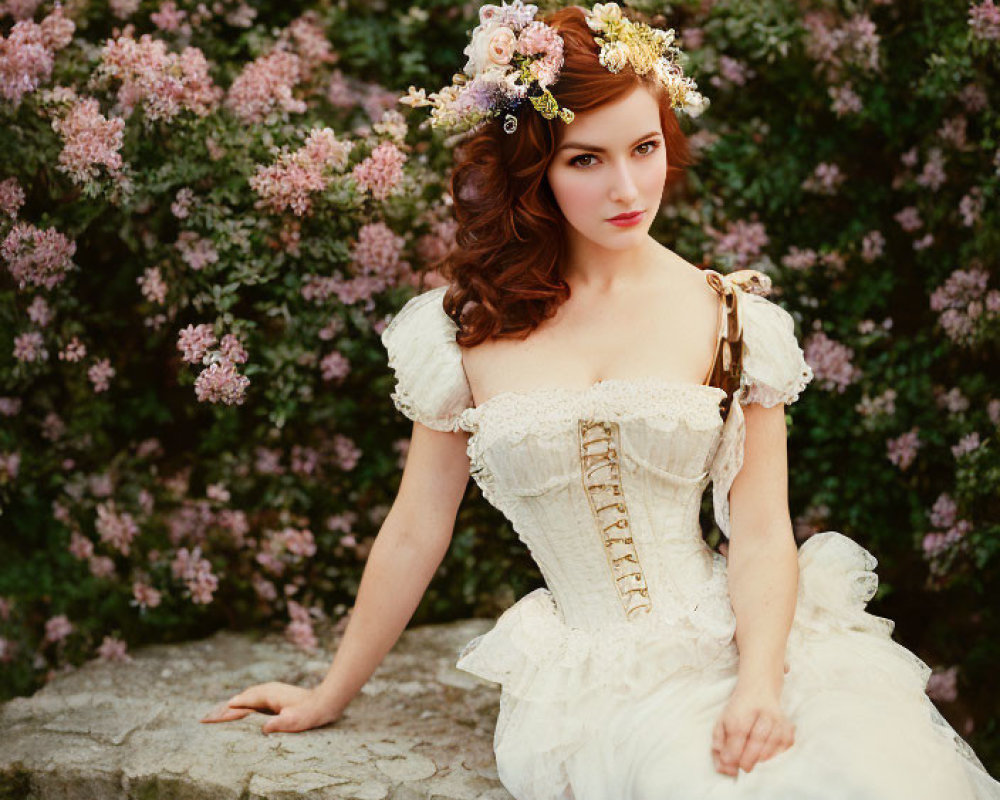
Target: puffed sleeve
x: 431, y: 386
x: 774, y: 366
x: 774, y: 371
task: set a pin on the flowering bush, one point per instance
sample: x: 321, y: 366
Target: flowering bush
x: 207, y: 215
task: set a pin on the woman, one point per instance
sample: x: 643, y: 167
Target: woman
x: 596, y: 387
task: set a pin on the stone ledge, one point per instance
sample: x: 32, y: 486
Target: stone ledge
x: 420, y: 729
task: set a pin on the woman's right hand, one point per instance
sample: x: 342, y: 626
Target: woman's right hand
x: 295, y: 709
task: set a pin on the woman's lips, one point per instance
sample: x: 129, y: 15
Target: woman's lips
x: 626, y: 221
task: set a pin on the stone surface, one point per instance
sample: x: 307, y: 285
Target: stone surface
x: 419, y: 730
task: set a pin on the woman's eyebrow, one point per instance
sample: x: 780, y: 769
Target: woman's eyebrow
x: 596, y: 149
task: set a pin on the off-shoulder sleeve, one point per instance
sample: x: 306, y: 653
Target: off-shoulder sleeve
x: 774, y: 366
x: 431, y: 386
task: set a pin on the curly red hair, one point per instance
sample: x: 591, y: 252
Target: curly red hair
x: 511, y: 236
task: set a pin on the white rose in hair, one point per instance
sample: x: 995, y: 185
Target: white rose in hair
x: 478, y: 49
x: 501, y: 47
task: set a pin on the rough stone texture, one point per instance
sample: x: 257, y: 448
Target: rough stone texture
x: 420, y: 729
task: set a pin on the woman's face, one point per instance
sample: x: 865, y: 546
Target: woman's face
x: 611, y: 160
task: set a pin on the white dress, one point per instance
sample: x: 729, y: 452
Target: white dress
x: 614, y: 674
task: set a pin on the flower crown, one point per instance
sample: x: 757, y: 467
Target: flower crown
x: 514, y: 58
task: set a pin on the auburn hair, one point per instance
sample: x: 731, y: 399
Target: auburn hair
x: 504, y: 272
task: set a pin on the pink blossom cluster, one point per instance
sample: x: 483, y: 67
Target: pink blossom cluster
x: 37, y: 256
x: 377, y: 251
x: 265, y: 87
x: 112, y: 649
x: 844, y: 100
x: 294, y: 177
x: 27, y: 53
x: 144, y: 595
x: 831, y: 362
x: 304, y: 460
x: 80, y: 547
x: 163, y: 83
x: 152, y: 285
x: 933, y: 176
x: 116, y: 528
x: 732, y: 72
x: 10, y: 406
x: 221, y: 382
x: 942, y: 685
x: 967, y: 444
x: 909, y: 219
x: 20, y: 9
x: 953, y: 400
x: 825, y: 179
x: 29, y: 347
x: 297, y: 541
x: 196, y: 572
x: 902, y: 450
x: 300, y: 630
x: 836, y: 45
x: 194, y: 342
x: 346, y: 452
x: 973, y: 97
x: 53, y: 427
x: 382, y: 171
x: 10, y: 463
x: 183, y: 200
x: 963, y: 301
x: 74, y: 351
x: 970, y: 207
x: 335, y: 366
x: 90, y: 140
x: 306, y: 38
x: 984, y: 21
x: 438, y: 242
x: 58, y: 628
x: 884, y: 403
x: 954, y: 131
x: 196, y: 251
x: 100, y: 374
x: 872, y: 246
x: 742, y: 241
x: 123, y: 9
x: 40, y: 312
x: 101, y: 566
x: 168, y: 17
x: 11, y: 197
x: 538, y: 39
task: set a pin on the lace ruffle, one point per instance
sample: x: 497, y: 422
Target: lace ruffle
x: 560, y: 682
x: 431, y: 386
x: 774, y: 366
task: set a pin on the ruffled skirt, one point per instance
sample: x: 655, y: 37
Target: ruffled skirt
x: 627, y: 712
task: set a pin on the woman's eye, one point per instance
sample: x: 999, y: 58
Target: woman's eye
x: 651, y: 144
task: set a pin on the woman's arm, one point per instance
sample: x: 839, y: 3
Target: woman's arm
x: 407, y: 551
x: 763, y: 584
x: 763, y: 558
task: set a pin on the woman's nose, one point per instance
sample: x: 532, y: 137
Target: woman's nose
x: 623, y: 187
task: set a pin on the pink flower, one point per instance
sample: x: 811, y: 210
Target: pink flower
x: 232, y: 349
x: 112, y: 649
x: 11, y: 197
x: 742, y: 241
x: 27, y: 54
x: 265, y: 87
x: 825, y: 179
x: 58, y: 628
x: 40, y: 312
x: 942, y: 685
x: 37, y: 257
x: 381, y: 171
x: 80, y: 546
x: 872, y: 246
x: 164, y: 83
x: 944, y: 511
x: 10, y: 464
x: 831, y: 362
x: 984, y: 21
x: 845, y: 100
x: 196, y: 572
x: 221, y: 383
x: 115, y: 528
x: 909, y: 219
x: 74, y: 351
x: 903, y: 449
x: 197, y: 251
x: 346, y: 452
x: 334, y: 366
x: 29, y: 347
x: 168, y: 17
x: 100, y: 374
x: 152, y: 286
x: 292, y: 180
x: 101, y: 566
x: 89, y: 140
x: 194, y: 341
x: 145, y: 595
x: 967, y: 444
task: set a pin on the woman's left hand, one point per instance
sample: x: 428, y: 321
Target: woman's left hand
x: 753, y: 728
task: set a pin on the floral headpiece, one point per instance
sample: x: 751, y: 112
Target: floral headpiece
x: 514, y: 58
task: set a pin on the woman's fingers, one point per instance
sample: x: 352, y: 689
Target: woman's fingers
x: 223, y: 713
x: 759, y: 734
